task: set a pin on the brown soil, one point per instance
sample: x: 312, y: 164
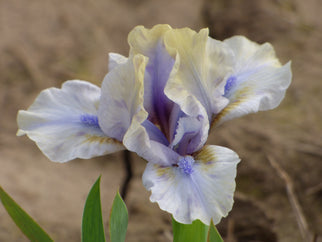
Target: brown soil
x: 44, y: 43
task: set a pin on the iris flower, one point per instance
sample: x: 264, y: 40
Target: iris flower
x: 161, y: 102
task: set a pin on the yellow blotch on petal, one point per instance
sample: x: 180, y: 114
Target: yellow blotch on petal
x: 206, y: 158
x: 100, y: 139
x: 161, y: 171
x: 205, y: 155
x: 239, y: 97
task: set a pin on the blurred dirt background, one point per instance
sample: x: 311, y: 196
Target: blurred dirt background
x: 43, y: 43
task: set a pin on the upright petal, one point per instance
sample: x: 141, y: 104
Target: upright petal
x: 202, y: 64
x: 64, y: 123
x: 122, y: 97
x: 258, y: 82
x: 115, y: 60
x: 149, y: 42
x: 202, y: 189
x: 122, y: 114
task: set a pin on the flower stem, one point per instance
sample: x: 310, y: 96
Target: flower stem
x: 129, y: 173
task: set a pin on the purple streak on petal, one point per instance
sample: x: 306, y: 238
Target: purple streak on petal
x: 89, y: 120
x: 155, y: 133
x: 158, y: 70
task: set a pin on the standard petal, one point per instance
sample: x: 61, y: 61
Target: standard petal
x: 115, y: 60
x: 122, y: 114
x: 258, y: 82
x: 149, y: 42
x: 202, y: 64
x: 64, y: 123
x: 203, y: 191
x: 122, y: 98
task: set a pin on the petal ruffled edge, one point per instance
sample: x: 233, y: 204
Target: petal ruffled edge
x: 150, y: 43
x: 122, y: 98
x: 205, y: 194
x: 202, y: 64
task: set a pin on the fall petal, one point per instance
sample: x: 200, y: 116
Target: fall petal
x: 64, y: 123
x: 258, y: 82
x: 202, y: 189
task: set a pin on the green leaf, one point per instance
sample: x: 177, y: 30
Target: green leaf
x: 197, y: 231
x: 26, y: 224
x: 213, y: 234
x: 118, y: 220
x: 92, y: 225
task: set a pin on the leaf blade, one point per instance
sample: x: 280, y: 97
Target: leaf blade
x: 118, y: 220
x: 25, y: 223
x: 197, y: 231
x: 92, y: 223
x: 213, y: 234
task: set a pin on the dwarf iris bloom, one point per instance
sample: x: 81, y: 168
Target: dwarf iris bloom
x: 161, y: 103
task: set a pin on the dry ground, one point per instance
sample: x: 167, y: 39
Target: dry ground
x: 43, y: 43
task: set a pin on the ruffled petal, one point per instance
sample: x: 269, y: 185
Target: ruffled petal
x: 202, y: 189
x: 122, y: 114
x: 64, y: 123
x: 149, y: 42
x: 202, y: 64
x: 122, y: 98
x: 258, y: 82
x: 141, y: 141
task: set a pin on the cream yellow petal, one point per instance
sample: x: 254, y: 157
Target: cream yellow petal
x: 202, y: 64
x: 143, y: 40
x: 122, y: 98
x: 149, y: 42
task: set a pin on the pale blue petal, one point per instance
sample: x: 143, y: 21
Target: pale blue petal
x: 258, y: 81
x: 195, y: 190
x: 138, y: 140
x: 154, y: 133
x: 122, y: 98
x: 190, y: 136
x: 64, y: 123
